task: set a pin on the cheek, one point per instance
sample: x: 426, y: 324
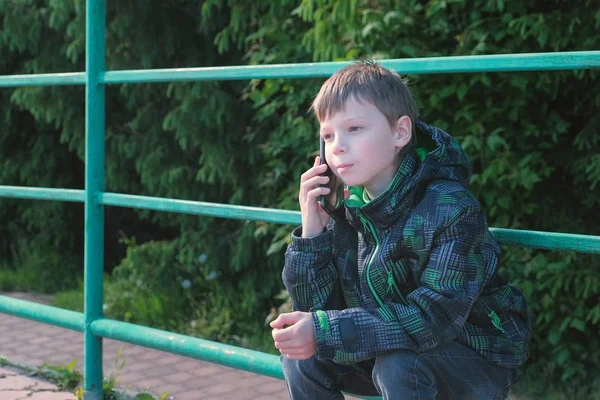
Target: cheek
x: 377, y: 153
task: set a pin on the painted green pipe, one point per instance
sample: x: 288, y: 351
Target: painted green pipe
x: 548, y: 240
x: 231, y: 356
x: 95, y: 21
x: 61, y: 79
x: 201, y: 208
x: 535, y: 239
x: 22, y: 192
x: 42, y: 313
x: 431, y: 65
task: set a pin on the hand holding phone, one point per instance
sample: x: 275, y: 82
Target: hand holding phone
x: 313, y: 185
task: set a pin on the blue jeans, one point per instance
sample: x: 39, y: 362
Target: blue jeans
x: 451, y: 371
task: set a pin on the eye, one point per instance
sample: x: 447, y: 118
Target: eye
x: 327, y: 136
x: 355, y: 128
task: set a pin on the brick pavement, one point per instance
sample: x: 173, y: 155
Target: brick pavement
x: 32, y: 343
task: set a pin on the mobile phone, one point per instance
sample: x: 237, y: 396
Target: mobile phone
x: 323, y: 199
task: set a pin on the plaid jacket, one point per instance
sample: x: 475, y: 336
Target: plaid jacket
x: 412, y: 269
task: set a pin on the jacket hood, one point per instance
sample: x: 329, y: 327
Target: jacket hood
x: 441, y: 158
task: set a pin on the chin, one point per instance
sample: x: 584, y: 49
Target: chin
x: 353, y: 182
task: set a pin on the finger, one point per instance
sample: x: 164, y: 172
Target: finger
x: 281, y: 338
x: 290, y: 318
x: 315, y: 193
x: 281, y: 335
x: 286, y: 345
x: 280, y: 321
x: 293, y: 350
x: 313, y: 183
x: 277, y: 323
x: 276, y: 335
x: 303, y: 356
x: 315, y: 170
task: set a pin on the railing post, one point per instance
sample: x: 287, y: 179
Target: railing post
x: 94, y: 185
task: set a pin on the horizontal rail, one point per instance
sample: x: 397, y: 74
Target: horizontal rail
x: 548, y: 240
x: 536, y: 239
x: 427, y: 65
x: 60, y: 79
x: 23, y: 192
x: 223, y: 354
x: 42, y: 313
x: 525, y: 238
x: 200, y: 208
x: 430, y: 65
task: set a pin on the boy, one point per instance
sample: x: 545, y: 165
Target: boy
x: 396, y: 292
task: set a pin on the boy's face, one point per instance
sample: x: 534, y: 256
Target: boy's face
x: 362, y: 148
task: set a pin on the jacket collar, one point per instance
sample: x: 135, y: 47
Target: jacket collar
x: 384, y: 210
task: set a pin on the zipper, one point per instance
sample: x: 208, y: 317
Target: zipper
x: 390, y: 279
x: 369, y: 226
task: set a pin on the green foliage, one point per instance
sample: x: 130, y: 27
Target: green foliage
x: 567, y: 313
x: 532, y: 138
x: 69, y: 299
x: 65, y: 376
x: 38, y: 269
x: 534, y: 385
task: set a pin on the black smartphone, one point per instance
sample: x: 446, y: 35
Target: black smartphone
x: 329, y: 173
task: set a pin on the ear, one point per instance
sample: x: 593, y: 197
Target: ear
x: 403, y: 131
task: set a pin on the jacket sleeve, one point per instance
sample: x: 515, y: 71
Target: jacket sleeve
x: 309, y: 273
x: 462, y: 259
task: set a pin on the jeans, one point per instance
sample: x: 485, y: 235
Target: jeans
x: 450, y: 371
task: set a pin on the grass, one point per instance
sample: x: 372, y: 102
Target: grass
x: 533, y: 387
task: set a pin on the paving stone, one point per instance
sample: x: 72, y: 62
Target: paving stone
x: 52, y: 396
x: 20, y: 382
x: 14, y: 394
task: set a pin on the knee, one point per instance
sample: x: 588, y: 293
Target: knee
x: 401, y: 366
x: 298, y: 369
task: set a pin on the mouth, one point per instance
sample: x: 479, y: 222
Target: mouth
x: 344, y: 167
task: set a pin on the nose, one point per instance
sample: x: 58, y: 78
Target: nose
x: 338, y: 146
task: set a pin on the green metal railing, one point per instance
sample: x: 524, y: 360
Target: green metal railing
x: 92, y: 322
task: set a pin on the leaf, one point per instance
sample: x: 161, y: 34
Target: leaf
x: 554, y: 335
x: 462, y: 91
x: 578, y: 324
x: 495, y: 141
x: 447, y: 91
x: 392, y: 15
x: 144, y: 396
x: 71, y: 366
x: 562, y: 356
x: 369, y: 27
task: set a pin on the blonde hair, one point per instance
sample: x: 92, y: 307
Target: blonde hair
x: 365, y: 81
